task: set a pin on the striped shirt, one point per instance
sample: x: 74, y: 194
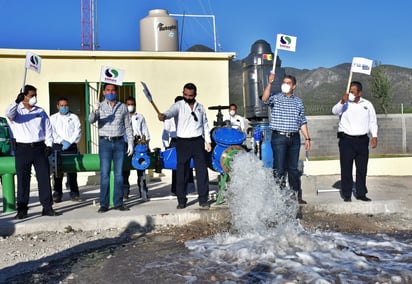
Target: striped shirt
x: 29, y: 126
x: 113, y: 121
x: 287, y: 113
x: 185, y: 119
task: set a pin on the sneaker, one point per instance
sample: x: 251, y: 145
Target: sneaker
x: 363, y: 198
x: 102, y: 209
x: 21, y: 215
x: 122, y: 208
x: 50, y: 212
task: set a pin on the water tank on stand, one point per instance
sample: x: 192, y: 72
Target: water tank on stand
x: 256, y: 69
x: 158, y: 32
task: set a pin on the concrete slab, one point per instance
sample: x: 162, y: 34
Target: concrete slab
x: 389, y: 194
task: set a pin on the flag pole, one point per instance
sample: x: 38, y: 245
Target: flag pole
x: 349, y: 81
x: 24, y: 79
x: 274, y: 61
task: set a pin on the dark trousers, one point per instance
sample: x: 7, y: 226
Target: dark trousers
x: 26, y: 156
x: 189, y: 171
x: 353, y: 149
x: 141, y: 181
x: 71, y: 177
x: 187, y: 148
x: 286, y: 159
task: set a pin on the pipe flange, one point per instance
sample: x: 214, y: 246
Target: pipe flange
x: 227, y: 155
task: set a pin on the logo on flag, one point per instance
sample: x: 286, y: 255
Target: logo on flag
x: 33, y: 62
x: 111, y: 75
x: 361, y: 65
x: 286, y: 42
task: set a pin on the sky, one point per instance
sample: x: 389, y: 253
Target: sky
x: 328, y: 32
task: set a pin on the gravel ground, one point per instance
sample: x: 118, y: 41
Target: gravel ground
x: 23, y: 253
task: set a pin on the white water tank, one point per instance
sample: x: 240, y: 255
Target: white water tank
x: 158, y: 32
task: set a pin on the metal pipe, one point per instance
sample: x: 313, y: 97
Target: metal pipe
x: 68, y: 163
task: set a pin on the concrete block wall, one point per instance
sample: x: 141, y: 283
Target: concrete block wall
x: 394, y: 135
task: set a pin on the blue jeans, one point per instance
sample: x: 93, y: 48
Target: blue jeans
x: 111, y: 151
x: 285, y: 160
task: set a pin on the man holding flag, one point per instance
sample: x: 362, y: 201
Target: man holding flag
x: 114, y: 123
x: 357, y: 118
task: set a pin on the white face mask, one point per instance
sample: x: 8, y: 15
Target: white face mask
x: 351, y: 97
x: 33, y: 101
x: 232, y: 112
x: 285, y: 88
x: 130, y: 108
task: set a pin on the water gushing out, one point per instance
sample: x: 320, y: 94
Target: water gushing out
x: 256, y: 203
x: 268, y: 244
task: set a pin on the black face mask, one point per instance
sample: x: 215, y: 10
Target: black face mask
x: 189, y: 101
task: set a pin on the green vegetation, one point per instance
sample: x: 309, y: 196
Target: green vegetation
x: 380, y: 86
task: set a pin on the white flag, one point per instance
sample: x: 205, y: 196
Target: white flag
x: 33, y: 62
x: 111, y: 75
x: 286, y: 42
x: 361, y: 65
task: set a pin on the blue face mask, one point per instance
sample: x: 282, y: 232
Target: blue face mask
x: 64, y: 110
x: 110, y: 97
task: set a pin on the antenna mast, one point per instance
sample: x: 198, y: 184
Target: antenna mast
x: 89, y: 24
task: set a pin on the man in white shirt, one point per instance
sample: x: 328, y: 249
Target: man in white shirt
x: 66, y: 134
x: 193, y: 138
x: 32, y: 132
x: 236, y: 121
x: 141, y: 133
x: 357, y: 118
x: 169, y: 138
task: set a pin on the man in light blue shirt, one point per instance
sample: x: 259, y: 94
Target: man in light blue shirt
x: 113, y: 121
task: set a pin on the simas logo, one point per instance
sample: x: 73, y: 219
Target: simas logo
x: 163, y: 27
x: 285, y: 40
x: 111, y: 73
x: 34, y: 60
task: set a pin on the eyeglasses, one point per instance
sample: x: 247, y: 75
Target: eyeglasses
x: 194, y: 116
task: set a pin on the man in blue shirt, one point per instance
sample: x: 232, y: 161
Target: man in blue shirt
x: 287, y: 119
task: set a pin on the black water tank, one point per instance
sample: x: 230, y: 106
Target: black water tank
x: 256, y: 69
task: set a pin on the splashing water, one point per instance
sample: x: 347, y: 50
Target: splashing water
x: 255, y: 202
x: 270, y: 246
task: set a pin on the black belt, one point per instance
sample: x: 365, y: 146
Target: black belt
x: 32, y: 144
x: 287, y: 134
x: 111, y: 138
x: 191, y: 138
x: 355, y: 136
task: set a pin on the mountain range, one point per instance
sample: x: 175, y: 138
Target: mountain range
x: 321, y: 88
